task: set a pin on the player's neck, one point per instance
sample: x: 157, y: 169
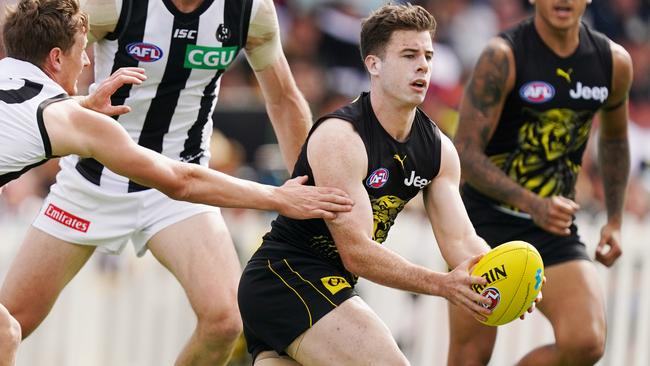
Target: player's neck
x: 394, y: 116
x: 563, y: 42
x: 187, y: 6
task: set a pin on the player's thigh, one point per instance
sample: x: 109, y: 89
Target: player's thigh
x: 272, y: 358
x: 351, y: 334
x: 573, y: 301
x: 467, y: 337
x: 41, y: 269
x: 201, y: 255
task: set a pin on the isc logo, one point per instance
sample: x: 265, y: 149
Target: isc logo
x: 185, y: 33
x: 200, y: 57
x: 537, y: 92
x: 144, y: 52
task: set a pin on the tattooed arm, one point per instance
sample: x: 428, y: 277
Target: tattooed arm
x: 614, y: 155
x: 492, y: 80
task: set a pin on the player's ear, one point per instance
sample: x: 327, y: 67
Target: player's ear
x: 53, y: 59
x: 373, y: 64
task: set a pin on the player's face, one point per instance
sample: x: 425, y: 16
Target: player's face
x: 73, y: 63
x: 406, y: 66
x: 561, y: 14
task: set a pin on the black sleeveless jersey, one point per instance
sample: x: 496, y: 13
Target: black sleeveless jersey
x: 397, y: 171
x: 544, y: 127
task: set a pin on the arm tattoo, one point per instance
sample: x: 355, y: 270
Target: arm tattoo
x: 614, y: 160
x: 479, y: 115
x: 489, y: 80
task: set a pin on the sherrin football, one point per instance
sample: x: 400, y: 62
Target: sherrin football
x: 514, y: 272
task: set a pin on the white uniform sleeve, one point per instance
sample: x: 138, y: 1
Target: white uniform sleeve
x: 103, y: 17
x: 263, y: 46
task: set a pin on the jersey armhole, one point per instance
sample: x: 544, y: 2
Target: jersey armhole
x: 123, y: 20
x: 437, y: 147
x: 246, y: 16
x: 47, y: 145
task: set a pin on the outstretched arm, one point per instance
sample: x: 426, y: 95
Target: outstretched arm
x: 338, y: 159
x: 287, y: 108
x: 493, y: 78
x: 614, y: 155
x: 76, y: 130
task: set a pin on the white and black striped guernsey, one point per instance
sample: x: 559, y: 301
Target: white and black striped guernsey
x: 25, y: 90
x: 184, y: 55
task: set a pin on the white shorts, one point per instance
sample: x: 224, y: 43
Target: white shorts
x: 80, y: 212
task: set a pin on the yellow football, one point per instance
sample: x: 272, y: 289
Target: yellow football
x: 514, y: 272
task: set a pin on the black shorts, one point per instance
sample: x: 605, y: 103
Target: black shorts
x: 498, y: 227
x: 283, y: 292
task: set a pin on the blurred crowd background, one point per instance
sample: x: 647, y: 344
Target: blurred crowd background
x: 320, y: 39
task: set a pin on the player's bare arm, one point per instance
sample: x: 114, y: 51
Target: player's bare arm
x: 287, y: 108
x: 492, y: 80
x: 76, y: 130
x: 334, y: 148
x: 614, y: 155
x: 452, y: 228
x: 485, y: 94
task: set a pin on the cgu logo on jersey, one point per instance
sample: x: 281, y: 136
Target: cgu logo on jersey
x: 335, y: 284
x: 493, y: 275
x: 599, y: 93
x: 416, y: 181
x: 213, y: 58
x: 144, y: 52
x: 378, y: 178
x: 537, y: 92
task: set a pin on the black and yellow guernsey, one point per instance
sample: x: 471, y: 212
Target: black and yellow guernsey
x: 397, y: 171
x: 544, y: 127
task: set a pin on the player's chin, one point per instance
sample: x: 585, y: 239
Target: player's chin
x: 565, y: 23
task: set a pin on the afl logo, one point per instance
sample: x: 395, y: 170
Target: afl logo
x: 492, y: 294
x: 144, y: 52
x: 378, y: 178
x: 537, y: 92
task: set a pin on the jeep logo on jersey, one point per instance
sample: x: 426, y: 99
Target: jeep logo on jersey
x: 200, y: 57
x: 223, y: 33
x: 537, y: 92
x: 599, y: 93
x: 144, y: 52
x: 416, y: 181
x: 378, y: 178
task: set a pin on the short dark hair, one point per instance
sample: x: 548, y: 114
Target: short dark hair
x: 32, y: 28
x: 377, y: 29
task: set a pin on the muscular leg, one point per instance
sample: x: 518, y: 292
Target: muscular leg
x: 352, y: 334
x: 43, y: 267
x: 9, y: 338
x: 470, y: 342
x: 200, y: 254
x: 574, y: 305
x: 272, y: 358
